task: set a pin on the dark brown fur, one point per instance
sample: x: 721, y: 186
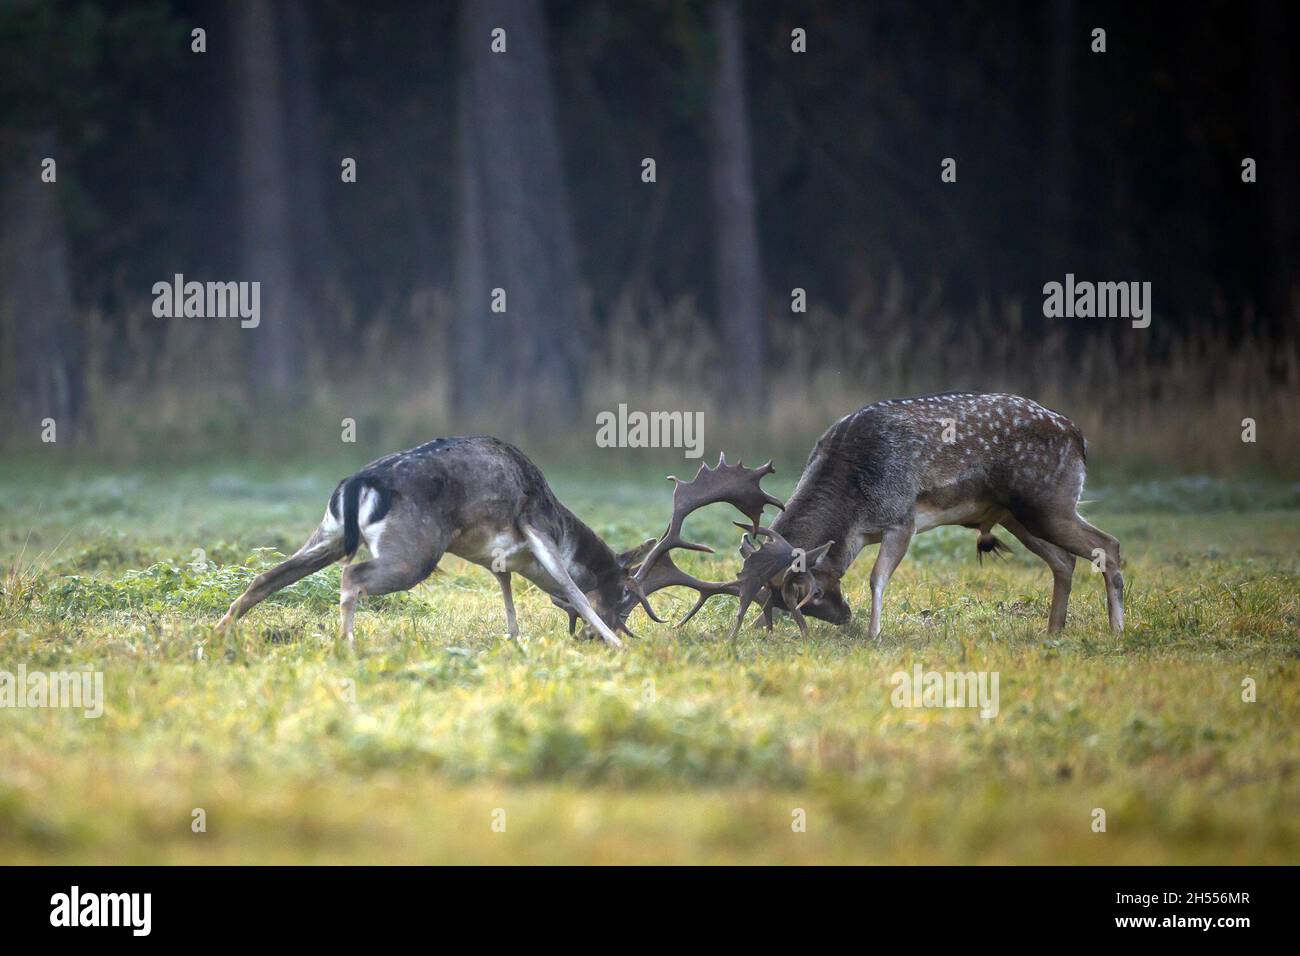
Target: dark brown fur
x: 902, y: 466
x: 476, y: 497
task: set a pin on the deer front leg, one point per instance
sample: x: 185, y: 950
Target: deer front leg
x: 548, y: 556
x: 512, y: 625
x: 893, y: 545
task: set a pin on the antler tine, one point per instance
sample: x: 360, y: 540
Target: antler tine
x: 801, y: 621
x: 782, y: 546
x: 749, y: 589
x: 763, y: 565
x: 729, y: 587
x: 760, y: 531
x: 735, y: 484
x: 650, y: 611
x: 672, y: 538
x: 667, y: 574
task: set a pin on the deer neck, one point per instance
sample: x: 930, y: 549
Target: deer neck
x: 813, y: 517
x: 591, y: 562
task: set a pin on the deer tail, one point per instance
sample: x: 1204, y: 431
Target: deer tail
x: 349, y: 498
x: 988, y: 544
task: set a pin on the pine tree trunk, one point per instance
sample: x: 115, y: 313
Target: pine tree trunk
x: 739, y: 281
x: 514, y: 227
x: 313, y: 245
x: 1275, y: 130
x: 1065, y: 39
x: 265, y: 203
x: 42, y: 342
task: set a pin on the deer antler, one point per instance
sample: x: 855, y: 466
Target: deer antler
x: 735, y: 484
x: 666, y: 574
x: 768, y: 565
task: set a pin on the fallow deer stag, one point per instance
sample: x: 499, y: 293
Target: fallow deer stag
x: 483, y: 500
x: 896, y: 468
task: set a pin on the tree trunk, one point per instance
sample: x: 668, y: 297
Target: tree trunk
x: 1274, y: 130
x: 313, y: 246
x: 514, y: 227
x: 739, y: 281
x: 1065, y: 39
x: 472, y: 367
x: 265, y: 203
x: 43, y: 343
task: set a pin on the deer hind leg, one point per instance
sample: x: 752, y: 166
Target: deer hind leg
x: 1058, y: 559
x: 512, y: 624
x: 893, y: 545
x: 373, y: 578
x: 322, y: 549
x: 404, y: 563
x: 1092, y: 544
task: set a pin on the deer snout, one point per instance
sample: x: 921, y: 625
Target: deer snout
x: 806, y: 593
x: 830, y: 608
x: 836, y: 611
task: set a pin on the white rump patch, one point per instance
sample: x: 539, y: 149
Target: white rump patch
x: 372, y: 532
x: 332, y: 526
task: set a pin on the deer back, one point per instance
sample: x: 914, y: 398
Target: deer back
x: 875, y: 468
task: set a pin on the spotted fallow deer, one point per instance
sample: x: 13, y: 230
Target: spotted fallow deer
x: 483, y: 500
x: 896, y: 468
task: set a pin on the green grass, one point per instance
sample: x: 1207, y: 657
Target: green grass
x: 685, y: 747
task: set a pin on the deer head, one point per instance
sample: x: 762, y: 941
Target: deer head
x: 782, y: 570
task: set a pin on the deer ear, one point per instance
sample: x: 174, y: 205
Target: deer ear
x: 817, y: 555
x: 631, y: 558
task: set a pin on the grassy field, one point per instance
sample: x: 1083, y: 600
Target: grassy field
x: 435, y: 739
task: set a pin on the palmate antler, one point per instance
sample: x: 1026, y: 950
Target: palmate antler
x: 666, y: 574
x: 776, y: 564
x: 735, y: 484
x: 766, y: 565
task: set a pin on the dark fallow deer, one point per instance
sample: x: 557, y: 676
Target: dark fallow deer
x: 481, y: 499
x: 896, y: 468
